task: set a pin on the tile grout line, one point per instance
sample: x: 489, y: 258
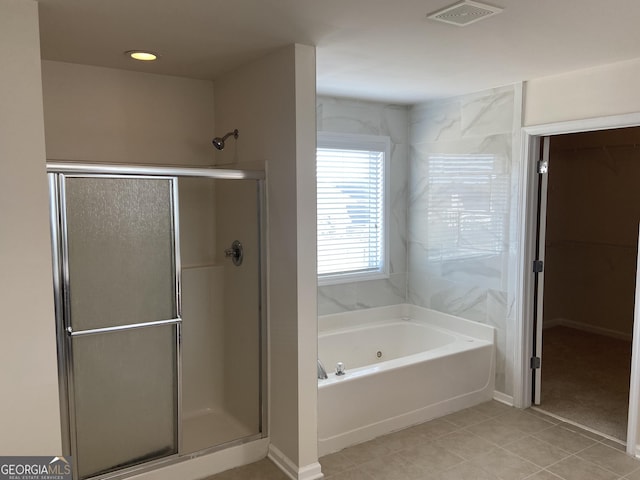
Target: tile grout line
x: 590, y: 463
x: 569, y: 454
x: 502, y: 448
x: 525, y: 436
x: 522, y: 458
x: 543, y: 470
x: 597, y: 441
x: 499, y: 418
x: 575, y: 454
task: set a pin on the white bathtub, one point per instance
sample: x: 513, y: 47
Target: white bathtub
x: 404, y: 365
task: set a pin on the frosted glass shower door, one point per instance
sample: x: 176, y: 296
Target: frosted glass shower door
x: 122, y: 319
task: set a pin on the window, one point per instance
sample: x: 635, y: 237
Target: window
x: 351, y: 196
x: 468, y: 204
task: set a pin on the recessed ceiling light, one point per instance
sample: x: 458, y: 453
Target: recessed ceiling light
x: 142, y: 55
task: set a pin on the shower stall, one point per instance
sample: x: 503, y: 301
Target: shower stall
x: 159, y: 294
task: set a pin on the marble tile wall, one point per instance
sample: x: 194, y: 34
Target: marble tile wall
x: 476, y: 287
x: 479, y: 285
x: 369, y: 118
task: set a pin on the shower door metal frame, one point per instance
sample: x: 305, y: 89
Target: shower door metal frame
x: 262, y: 307
x: 58, y: 212
x: 56, y: 172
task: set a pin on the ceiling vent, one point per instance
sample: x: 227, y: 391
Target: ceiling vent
x: 464, y: 13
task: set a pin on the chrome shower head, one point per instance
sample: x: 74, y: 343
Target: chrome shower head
x: 219, y: 142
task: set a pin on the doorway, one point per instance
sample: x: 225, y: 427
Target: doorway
x: 588, y: 241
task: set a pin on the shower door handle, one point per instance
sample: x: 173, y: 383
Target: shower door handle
x: 129, y: 326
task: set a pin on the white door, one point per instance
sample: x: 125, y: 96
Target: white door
x: 538, y: 268
x: 634, y: 384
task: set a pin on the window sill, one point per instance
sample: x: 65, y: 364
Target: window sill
x: 351, y: 278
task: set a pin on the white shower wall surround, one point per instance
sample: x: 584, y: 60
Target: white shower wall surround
x: 475, y: 287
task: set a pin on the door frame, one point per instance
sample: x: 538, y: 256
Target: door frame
x: 525, y: 294
x: 542, y: 193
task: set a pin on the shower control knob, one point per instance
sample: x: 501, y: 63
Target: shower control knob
x: 340, y: 368
x: 235, y: 253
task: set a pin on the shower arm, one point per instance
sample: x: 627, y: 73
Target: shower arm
x: 235, y: 134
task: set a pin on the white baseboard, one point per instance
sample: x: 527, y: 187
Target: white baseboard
x: 503, y: 398
x: 311, y: 472
x: 563, y: 322
x: 554, y: 322
x: 284, y: 463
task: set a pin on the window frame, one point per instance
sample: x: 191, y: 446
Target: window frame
x: 376, y: 143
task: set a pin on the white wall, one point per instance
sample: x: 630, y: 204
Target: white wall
x: 29, y: 405
x: 272, y: 103
x: 590, y: 93
x: 369, y: 118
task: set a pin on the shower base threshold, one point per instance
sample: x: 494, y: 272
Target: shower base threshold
x: 210, y: 429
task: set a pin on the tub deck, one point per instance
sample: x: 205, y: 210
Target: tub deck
x: 404, y: 365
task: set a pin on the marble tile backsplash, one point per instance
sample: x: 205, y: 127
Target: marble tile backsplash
x: 369, y: 118
x: 472, y: 279
x: 358, y: 295
x: 475, y: 286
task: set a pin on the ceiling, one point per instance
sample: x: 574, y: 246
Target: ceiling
x: 384, y: 50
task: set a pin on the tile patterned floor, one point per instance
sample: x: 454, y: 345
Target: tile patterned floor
x: 487, y: 442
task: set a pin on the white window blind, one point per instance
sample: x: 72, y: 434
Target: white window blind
x: 351, y: 206
x: 468, y: 204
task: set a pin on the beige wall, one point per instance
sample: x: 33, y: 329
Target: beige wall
x: 106, y: 115
x: 306, y: 235
x: 589, y: 95
x: 115, y: 116
x: 596, y: 92
x: 592, y: 229
x: 29, y: 406
x: 593, y: 93
x: 272, y: 103
x: 202, y: 299
x: 237, y: 215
